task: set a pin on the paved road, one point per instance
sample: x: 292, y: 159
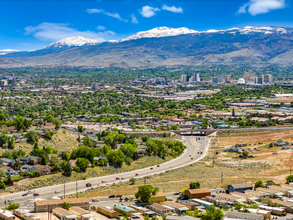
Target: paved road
x: 194, y: 144
x: 255, y: 129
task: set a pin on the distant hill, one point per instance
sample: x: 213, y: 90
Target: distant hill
x: 167, y: 46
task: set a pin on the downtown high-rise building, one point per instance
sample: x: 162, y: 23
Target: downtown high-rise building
x: 267, y: 79
x: 196, y: 77
x: 183, y: 78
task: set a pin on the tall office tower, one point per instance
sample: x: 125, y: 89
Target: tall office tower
x: 267, y: 79
x: 183, y: 78
x: 196, y: 77
x: 191, y: 79
x: 228, y: 78
x: 258, y: 80
x: 95, y: 86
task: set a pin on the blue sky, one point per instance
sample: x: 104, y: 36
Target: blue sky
x: 31, y: 25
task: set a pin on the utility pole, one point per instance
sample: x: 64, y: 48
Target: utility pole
x: 145, y: 180
x: 76, y: 190
x: 5, y: 199
x: 64, y: 190
x: 222, y: 178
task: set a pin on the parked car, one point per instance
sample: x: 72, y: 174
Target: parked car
x: 95, y: 200
x: 88, y: 185
x: 112, y: 196
x: 56, y: 192
x: 192, y: 158
x: 36, y: 194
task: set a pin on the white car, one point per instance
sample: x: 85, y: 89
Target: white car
x: 10, y: 200
x: 103, y: 181
x: 122, y: 178
x: 56, y: 192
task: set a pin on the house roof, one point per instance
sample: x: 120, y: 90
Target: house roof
x: 159, y: 194
x: 79, y: 210
x: 61, y: 201
x: 61, y: 211
x: 202, y: 190
x: 241, y: 185
x: 160, y: 207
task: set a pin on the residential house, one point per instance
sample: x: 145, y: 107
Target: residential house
x: 241, y: 215
x: 280, y: 143
x: 81, y: 213
x: 43, y: 169
x: 18, y: 137
x: 197, y: 193
x: 248, y: 199
x: 161, y: 209
x: 179, y: 208
x: 232, y: 200
x: 159, y: 197
x: 190, y: 205
x: 28, y: 168
x: 9, y: 171
x: 259, y: 195
x: 265, y: 213
x: 42, y: 206
x: 25, y: 214
x: 107, y: 211
x: 64, y: 214
x: 6, y: 161
x: 203, y: 203
x: 124, y: 210
x: 26, y: 160
x: 286, y: 191
x: 287, y: 205
x: 143, y: 210
x: 240, y: 187
x: 49, y: 127
x: 6, y: 215
x: 274, y: 210
x: 273, y: 193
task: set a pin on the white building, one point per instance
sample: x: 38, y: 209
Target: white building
x: 3, y: 83
x: 241, y: 81
x: 183, y: 78
x: 267, y: 79
x: 196, y: 77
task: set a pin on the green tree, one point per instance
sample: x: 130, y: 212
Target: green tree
x: 245, y: 153
x: 49, y: 134
x: 82, y: 163
x: 258, y: 183
x: 289, y: 179
x: 55, y: 163
x: 132, y: 181
x: 145, y: 138
x: 32, y: 136
x: 145, y: 192
x: 80, y: 128
x: 233, y: 112
x: 65, y: 156
x: 12, y: 206
x: 6, y: 141
x: 66, y: 205
x: 194, y: 185
x: 213, y: 213
x: 67, y: 169
x: 7, y: 154
x: 174, y: 127
x: 164, y: 216
x: 238, y: 206
x: 116, y: 158
x: 57, y: 123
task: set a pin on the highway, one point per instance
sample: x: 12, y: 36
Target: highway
x: 192, y: 154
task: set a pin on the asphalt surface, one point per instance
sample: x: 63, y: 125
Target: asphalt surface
x: 195, y: 145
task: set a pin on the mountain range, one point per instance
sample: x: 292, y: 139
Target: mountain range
x: 164, y: 46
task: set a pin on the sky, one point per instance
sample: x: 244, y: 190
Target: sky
x: 34, y: 24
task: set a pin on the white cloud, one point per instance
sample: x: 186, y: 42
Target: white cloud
x: 172, y: 9
x: 148, y: 11
x: 57, y: 31
x: 114, y: 15
x: 101, y: 28
x: 256, y: 7
x: 134, y: 19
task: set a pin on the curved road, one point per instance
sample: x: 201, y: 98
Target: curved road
x: 194, y: 146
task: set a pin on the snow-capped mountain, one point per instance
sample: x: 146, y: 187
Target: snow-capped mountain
x: 168, y: 32
x: 160, y: 32
x: 6, y: 51
x: 73, y: 42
